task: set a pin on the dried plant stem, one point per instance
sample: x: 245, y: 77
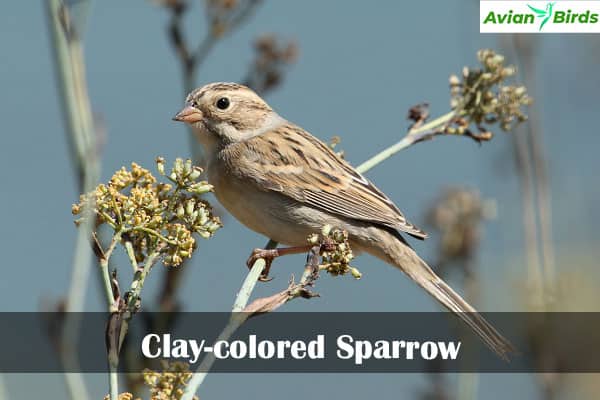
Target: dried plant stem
x: 70, y: 69
x: 534, y: 188
x: 80, y: 133
x: 539, y: 168
x: 243, y: 296
x: 534, y: 265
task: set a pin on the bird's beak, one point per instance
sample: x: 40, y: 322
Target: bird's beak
x: 189, y: 114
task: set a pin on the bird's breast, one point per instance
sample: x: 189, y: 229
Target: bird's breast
x: 266, y: 212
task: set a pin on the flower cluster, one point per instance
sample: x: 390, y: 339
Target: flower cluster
x: 482, y: 97
x: 170, y: 383
x: 336, y: 253
x: 154, y: 216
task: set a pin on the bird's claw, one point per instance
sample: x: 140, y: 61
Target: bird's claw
x: 264, y: 278
x: 266, y: 254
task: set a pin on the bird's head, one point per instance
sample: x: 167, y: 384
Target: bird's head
x: 223, y: 113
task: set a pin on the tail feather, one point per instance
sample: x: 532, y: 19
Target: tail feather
x: 463, y: 310
x: 404, y: 257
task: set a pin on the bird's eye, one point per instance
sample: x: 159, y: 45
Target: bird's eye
x: 223, y: 103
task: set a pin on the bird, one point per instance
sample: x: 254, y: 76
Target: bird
x: 284, y: 183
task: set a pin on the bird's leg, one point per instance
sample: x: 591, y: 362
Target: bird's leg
x: 270, y: 254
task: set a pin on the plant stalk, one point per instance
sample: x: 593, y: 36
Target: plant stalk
x: 70, y: 70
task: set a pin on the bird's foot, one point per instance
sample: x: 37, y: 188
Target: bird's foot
x: 266, y: 254
x: 269, y: 255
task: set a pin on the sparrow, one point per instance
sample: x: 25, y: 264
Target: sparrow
x: 280, y: 181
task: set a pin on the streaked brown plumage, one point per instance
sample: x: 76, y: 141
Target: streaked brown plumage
x: 280, y: 181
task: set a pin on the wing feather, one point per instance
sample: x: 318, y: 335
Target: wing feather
x: 295, y: 163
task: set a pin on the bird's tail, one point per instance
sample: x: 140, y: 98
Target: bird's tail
x: 405, y: 258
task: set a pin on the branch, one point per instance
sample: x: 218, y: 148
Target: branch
x: 411, y: 138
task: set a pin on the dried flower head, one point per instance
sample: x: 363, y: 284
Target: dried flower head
x: 152, y: 215
x: 336, y: 253
x: 224, y: 14
x: 170, y: 383
x: 457, y: 216
x: 272, y: 58
x: 482, y: 97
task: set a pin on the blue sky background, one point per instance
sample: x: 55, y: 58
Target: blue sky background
x: 361, y: 66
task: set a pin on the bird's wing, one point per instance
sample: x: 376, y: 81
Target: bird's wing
x: 540, y: 13
x: 291, y: 161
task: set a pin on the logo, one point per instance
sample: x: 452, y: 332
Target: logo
x: 544, y: 14
x: 537, y: 16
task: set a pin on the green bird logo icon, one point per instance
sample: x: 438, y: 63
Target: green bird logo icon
x: 545, y: 14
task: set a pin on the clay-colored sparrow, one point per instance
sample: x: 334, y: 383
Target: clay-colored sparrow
x: 280, y: 181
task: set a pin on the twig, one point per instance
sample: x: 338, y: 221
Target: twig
x: 131, y: 255
x: 106, y: 278
x: 140, y: 278
x: 414, y: 136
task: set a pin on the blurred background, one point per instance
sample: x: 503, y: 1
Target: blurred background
x: 508, y: 219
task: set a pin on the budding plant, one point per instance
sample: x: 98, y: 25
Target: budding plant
x: 152, y: 220
x: 484, y: 96
x: 336, y: 253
